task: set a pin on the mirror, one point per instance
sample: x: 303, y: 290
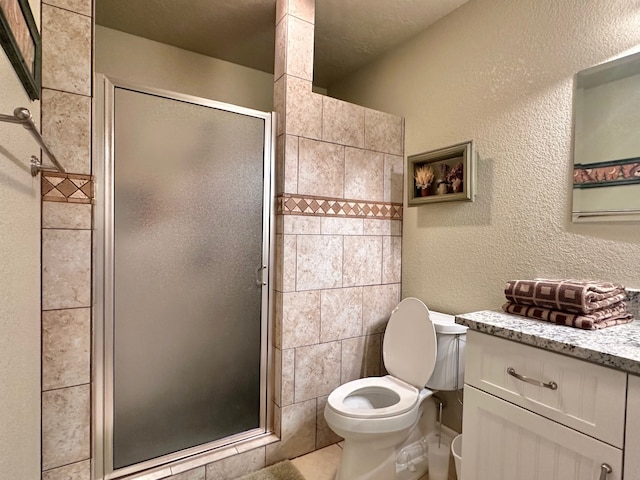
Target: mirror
x: 606, y: 147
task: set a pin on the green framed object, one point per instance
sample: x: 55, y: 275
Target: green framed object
x: 21, y: 41
x: 443, y: 175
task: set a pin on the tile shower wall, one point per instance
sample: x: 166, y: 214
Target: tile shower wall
x: 339, y: 184
x: 338, y: 245
x: 66, y: 241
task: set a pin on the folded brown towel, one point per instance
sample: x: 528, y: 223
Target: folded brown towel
x: 576, y: 296
x: 606, y: 317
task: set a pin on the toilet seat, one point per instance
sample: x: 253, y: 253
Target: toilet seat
x: 409, y: 346
x: 373, y: 397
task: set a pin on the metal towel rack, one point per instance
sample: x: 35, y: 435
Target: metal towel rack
x: 22, y: 115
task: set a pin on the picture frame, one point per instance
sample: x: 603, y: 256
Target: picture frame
x: 21, y: 42
x: 443, y: 175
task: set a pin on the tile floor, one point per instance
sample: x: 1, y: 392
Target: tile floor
x: 323, y: 464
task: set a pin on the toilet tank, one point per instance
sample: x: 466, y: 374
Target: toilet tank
x: 451, y: 340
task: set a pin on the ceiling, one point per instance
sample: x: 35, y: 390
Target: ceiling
x: 348, y: 33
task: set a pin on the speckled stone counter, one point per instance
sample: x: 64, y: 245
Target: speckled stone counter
x: 616, y: 347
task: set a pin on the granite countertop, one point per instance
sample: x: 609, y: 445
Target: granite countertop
x: 616, y: 347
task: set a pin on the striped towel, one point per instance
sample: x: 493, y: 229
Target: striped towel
x: 606, y: 317
x: 575, y: 296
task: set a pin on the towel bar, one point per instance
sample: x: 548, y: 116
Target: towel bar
x: 22, y: 115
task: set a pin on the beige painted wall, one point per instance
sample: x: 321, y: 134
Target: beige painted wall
x: 19, y: 285
x: 500, y: 72
x: 154, y: 64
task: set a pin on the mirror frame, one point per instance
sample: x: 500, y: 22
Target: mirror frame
x: 610, y: 71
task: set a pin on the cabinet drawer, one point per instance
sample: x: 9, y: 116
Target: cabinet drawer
x: 589, y: 398
x: 501, y: 441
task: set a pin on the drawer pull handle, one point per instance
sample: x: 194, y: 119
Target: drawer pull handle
x: 605, y: 469
x: 551, y: 385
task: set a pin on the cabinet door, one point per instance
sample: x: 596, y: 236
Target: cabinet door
x: 632, y: 436
x: 502, y: 441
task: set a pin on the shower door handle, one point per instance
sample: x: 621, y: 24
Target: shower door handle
x: 260, y: 281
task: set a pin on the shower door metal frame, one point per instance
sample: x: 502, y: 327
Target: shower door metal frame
x: 103, y: 280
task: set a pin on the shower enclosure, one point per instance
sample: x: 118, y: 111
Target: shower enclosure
x: 182, y: 248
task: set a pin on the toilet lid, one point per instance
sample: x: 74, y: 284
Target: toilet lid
x: 409, y: 347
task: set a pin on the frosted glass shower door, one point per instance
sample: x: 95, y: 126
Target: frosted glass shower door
x: 189, y: 235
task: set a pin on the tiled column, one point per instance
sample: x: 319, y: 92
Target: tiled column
x: 66, y: 240
x: 339, y: 180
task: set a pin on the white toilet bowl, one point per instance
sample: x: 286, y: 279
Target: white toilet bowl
x: 376, y: 415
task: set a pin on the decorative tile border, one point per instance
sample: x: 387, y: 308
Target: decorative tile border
x: 288, y: 204
x: 604, y: 174
x: 67, y: 187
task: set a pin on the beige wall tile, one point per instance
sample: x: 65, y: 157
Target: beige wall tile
x: 75, y: 471
x: 362, y: 261
x: 377, y: 227
x: 298, y: 432
x: 298, y: 224
x: 317, y: 370
x: 363, y: 174
x: 303, y: 109
x: 66, y: 215
x: 279, y: 165
x: 299, y: 56
x: 373, y: 356
x: 286, y: 246
x: 342, y: 122
x: 277, y: 320
x: 291, y: 164
x: 300, y: 318
x: 304, y: 9
x: 236, y: 466
x: 321, y: 168
x: 78, y: 6
x: 66, y: 51
x: 324, y: 435
x: 360, y: 358
x: 396, y: 228
x: 378, y: 302
x: 279, y: 61
x: 277, y: 420
x: 66, y: 124
x: 66, y: 343
x: 66, y: 269
x: 342, y: 226
x: 393, y: 178
x: 319, y: 262
x: 391, y: 259
x: 341, y: 314
x: 288, y: 376
x: 65, y: 426
x: 279, y: 104
x: 276, y: 371
x: 352, y: 359
x: 383, y: 132
x: 193, y: 474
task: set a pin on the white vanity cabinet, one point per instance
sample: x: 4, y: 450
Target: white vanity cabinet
x: 632, y: 439
x: 534, y: 414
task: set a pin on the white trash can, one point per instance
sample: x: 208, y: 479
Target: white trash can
x: 456, y: 450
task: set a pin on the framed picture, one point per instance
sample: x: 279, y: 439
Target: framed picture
x: 443, y: 175
x: 21, y: 41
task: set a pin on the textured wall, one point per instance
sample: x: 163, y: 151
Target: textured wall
x: 19, y: 284
x: 154, y: 64
x: 500, y: 72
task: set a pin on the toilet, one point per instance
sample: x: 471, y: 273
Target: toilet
x: 379, y: 416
